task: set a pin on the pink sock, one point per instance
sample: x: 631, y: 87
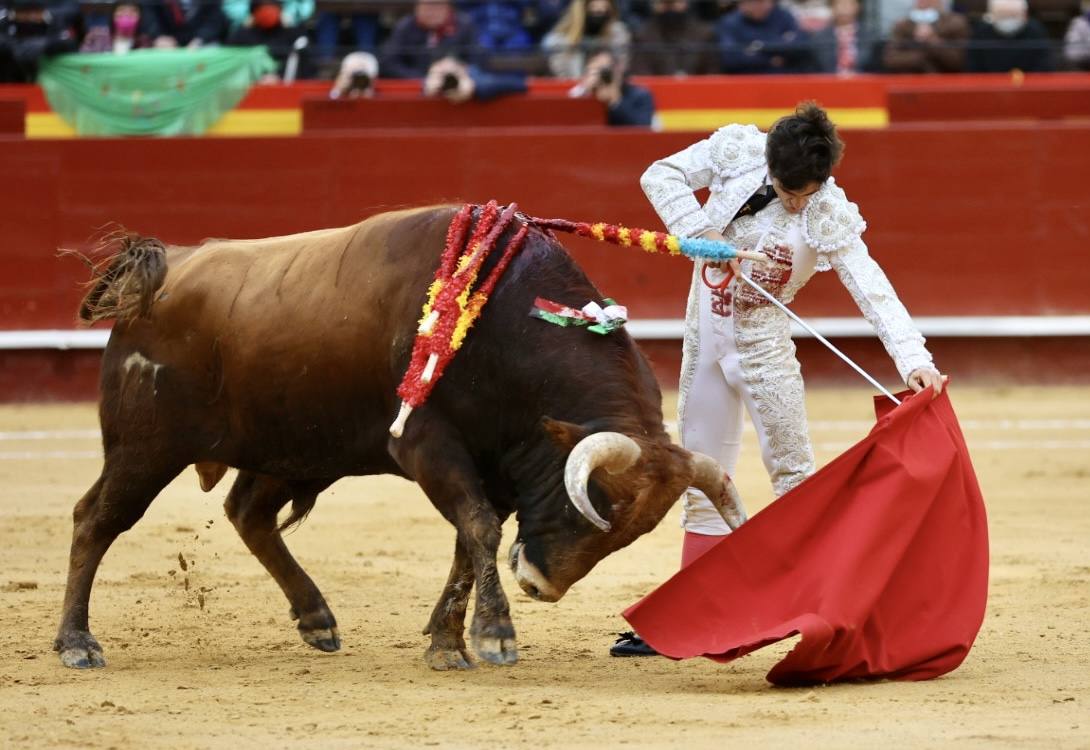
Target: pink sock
x: 696, y: 545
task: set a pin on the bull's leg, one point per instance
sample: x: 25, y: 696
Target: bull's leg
x: 113, y: 504
x: 252, y: 505
x: 432, y: 454
x: 447, y: 623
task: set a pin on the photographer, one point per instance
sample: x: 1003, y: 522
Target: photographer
x: 458, y: 82
x: 356, y: 78
x: 606, y: 79
x: 32, y: 29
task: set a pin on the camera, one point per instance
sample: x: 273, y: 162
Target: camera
x: 605, y: 76
x: 449, y: 83
x: 360, y: 82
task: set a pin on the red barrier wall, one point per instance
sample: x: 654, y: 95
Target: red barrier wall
x: 12, y: 116
x: 984, y: 219
x: 512, y: 112
x: 1022, y: 103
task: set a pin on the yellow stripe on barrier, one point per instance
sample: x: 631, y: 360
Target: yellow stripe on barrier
x: 711, y: 119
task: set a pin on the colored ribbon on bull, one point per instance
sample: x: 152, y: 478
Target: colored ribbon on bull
x: 652, y: 242
x: 592, y: 316
x: 455, y: 299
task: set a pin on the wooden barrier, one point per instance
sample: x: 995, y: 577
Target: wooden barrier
x: 12, y: 116
x: 412, y: 112
x: 1016, y: 103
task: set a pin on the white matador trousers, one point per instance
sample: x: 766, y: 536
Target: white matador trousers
x: 745, y: 361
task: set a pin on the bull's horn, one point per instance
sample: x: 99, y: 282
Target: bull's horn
x: 613, y: 452
x: 709, y: 478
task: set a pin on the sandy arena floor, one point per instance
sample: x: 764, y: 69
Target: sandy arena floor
x: 208, y: 657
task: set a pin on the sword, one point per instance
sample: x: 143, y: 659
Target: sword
x: 760, y: 290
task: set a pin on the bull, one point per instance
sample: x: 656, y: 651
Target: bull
x: 281, y: 357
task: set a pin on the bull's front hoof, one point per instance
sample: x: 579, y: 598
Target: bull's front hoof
x: 79, y: 651
x: 446, y: 659
x: 496, y: 650
x: 323, y: 639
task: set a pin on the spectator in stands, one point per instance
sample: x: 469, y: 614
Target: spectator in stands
x: 499, y: 24
x: 32, y: 29
x: 182, y: 23
x: 673, y: 42
x: 930, y: 40
x: 457, y: 81
x: 606, y: 79
x: 286, y: 44
x: 1008, y: 39
x: 842, y: 46
x: 759, y: 36
x: 586, y: 24
x: 120, y: 35
x: 432, y: 32
x: 293, y: 13
x: 1077, y: 40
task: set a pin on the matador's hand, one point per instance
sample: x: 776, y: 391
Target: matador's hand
x: 721, y: 265
x: 924, y: 377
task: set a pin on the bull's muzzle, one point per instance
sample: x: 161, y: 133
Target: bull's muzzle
x: 529, y: 578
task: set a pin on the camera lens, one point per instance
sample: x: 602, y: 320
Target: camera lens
x: 450, y: 82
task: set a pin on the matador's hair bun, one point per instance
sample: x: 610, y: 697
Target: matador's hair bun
x: 804, y: 147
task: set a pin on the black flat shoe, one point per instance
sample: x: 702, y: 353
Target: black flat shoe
x: 630, y: 644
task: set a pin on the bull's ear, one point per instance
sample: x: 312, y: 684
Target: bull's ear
x: 564, y: 434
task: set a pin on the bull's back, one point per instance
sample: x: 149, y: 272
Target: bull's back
x: 291, y: 340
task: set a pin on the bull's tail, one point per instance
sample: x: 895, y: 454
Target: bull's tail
x: 123, y: 284
x: 302, y: 503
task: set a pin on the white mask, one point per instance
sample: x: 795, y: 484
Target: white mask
x: 923, y: 16
x: 1008, y: 26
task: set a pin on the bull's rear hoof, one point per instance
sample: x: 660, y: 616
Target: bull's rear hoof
x: 79, y: 651
x: 444, y: 660
x: 499, y: 651
x: 323, y: 639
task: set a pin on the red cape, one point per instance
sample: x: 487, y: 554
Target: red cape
x: 879, y: 560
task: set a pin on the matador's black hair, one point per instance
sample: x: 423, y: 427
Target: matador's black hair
x: 803, y: 148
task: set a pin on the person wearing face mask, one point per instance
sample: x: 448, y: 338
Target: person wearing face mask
x: 1008, y: 39
x: 930, y: 40
x: 585, y: 25
x: 121, y: 36
x: 672, y: 42
x: 772, y: 194
x: 266, y: 27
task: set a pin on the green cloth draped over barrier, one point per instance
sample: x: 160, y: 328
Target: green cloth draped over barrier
x: 151, y: 92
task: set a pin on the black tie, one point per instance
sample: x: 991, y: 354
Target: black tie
x: 764, y: 195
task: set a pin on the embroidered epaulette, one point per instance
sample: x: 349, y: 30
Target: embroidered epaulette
x: 737, y: 149
x: 831, y: 222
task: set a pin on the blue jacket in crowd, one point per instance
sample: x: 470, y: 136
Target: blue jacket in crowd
x: 774, y: 45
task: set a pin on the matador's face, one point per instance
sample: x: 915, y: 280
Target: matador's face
x: 795, y: 200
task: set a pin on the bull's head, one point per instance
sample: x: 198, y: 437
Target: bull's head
x: 632, y: 481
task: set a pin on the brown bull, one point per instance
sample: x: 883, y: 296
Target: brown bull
x: 281, y: 357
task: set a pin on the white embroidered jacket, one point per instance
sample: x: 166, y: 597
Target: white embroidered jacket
x: 826, y: 234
